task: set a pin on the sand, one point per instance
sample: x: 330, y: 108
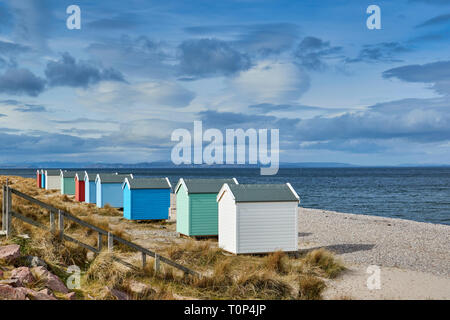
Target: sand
x: 413, y: 257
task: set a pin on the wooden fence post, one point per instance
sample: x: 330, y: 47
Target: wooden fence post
x: 4, y: 208
x: 157, y: 263
x: 99, y: 242
x: 61, y: 225
x: 110, y: 242
x: 144, y: 260
x: 8, y: 210
x: 52, y: 221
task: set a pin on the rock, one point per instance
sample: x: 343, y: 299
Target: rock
x: 1, y: 273
x: 44, y: 294
x: 52, y: 281
x: 140, y: 289
x: 47, y: 291
x: 33, y: 261
x: 90, y: 256
x: 23, y: 274
x: 71, y: 296
x: 117, y: 294
x: 11, y: 293
x: 10, y: 253
x: 11, y: 282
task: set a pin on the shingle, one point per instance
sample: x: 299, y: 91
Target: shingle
x: 53, y: 172
x: 113, y: 178
x: 149, y: 183
x: 206, y: 185
x: 262, y: 193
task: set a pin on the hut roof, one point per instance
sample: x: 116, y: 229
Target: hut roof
x: 91, y: 176
x: 53, y: 172
x: 113, y: 178
x: 263, y: 192
x: 205, y: 185
x: 148, y: 183
x: 69, y: 174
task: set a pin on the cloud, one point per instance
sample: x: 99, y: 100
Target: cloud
x: 435, y: 73
x: 31, y: 108
x: 68, y: 72
x: 432, y: 2
x: 210, y: 57
x: 142, y: 96
x: 312, y: 53
x: 381, y: 52
x: 441, y: 19
x: 139, y: 56
x: 21, y: 82
x: 263, y: 39
x: 271, y: 82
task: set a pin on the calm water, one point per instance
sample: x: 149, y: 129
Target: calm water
x: 421, y: 194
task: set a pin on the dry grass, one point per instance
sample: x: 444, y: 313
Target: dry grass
x: 277, y: 262
x: 323, y: 262
x: 310, y: 287
x: 200, y: 253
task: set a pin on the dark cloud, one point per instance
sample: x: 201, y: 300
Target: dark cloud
x: 21, y: 82
x: 11, y: 48
x: 441, y: 19
x: 312, y: 53
x: 31, y: 108
x: 138, y: 56
x: 435, y: 73
x: 381, y: 52
x: 68, y: 72
x: 210, y: 57
x: 264, y: 39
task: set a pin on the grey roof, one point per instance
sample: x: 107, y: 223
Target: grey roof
x: 149, y: 183
x: 206, y: 185
x: 113, y: 178
x: 53, y: 172
x: 262, y: 193
x: 69, y: 174
x: 91, y: 175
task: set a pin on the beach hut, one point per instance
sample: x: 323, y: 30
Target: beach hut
x: 109, y: 189
x: 43, y: 179
x: 79, y: 186
x: 53, y: 179
x: 68, y: 182
x: 197, y: 207
x: 38, y: 178
x: 258, y: 218
x: 146, y: 199
x: 89, y: 187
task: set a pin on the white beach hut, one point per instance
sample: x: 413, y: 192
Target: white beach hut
x: 258, y: 218
x: 52, y: 179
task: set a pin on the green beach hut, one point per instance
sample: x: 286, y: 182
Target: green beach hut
x: 68, y: 182
x: 197, y: 213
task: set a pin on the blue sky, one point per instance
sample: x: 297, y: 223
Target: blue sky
x: 116, y: 89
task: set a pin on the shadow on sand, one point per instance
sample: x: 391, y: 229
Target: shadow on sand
x: 343, y: 248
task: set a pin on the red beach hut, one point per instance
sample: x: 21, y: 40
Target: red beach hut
x: 79, y: 187
x: 38, y: 178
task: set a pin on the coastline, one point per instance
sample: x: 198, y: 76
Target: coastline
x: 413, y: 256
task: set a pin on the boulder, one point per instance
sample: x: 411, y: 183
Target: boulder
x: 39, y: 295
x: 10, y: 293
x: 23, y: 274
x: 51, y: 281
x: 117, y: 294
x: 34, y: 261
x: 71, y: 296
x: 10, y: 253
x: 11, y: 282
x: 140, y: 289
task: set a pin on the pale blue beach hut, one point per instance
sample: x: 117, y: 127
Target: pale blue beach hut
x: 109, y: 189
x: 90, y: 191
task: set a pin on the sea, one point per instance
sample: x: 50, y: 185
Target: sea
x: 419, y: 194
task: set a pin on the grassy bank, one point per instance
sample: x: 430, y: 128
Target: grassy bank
x: 225, y: 276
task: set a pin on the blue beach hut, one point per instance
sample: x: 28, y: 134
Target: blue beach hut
x: 146, y: 199
x: 109, y: 189
x: 43, y: 179
x: 90, y: 194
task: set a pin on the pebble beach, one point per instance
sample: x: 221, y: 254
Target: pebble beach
x: 408, y: 252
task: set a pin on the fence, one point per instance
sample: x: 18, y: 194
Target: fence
x: 8, y: 213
